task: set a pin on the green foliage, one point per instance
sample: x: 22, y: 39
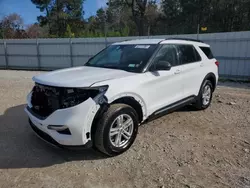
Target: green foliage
x: 125, y: 31
x: 59, y: 14
x: 64, y: 18
x: 183, y: 16
x: 68, y: 33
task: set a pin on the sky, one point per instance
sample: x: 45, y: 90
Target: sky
x: 28, y: 11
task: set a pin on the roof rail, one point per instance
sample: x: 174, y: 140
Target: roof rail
x: 187, y: 39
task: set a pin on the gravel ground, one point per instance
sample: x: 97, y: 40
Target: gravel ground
x: 186, y: 149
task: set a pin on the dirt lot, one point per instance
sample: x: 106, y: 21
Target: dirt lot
x: 186, y: 149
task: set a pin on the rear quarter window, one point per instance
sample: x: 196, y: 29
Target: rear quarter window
x: 208, y: 52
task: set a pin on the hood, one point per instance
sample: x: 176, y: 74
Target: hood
x: 79, y: 76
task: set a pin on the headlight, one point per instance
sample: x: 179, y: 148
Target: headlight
x: 75, y: 96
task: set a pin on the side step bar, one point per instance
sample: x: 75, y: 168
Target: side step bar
x: 172, y: 107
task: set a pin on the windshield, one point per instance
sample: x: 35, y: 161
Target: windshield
x: 132, y: 58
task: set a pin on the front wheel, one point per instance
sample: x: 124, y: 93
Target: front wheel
x: 204, y: 98
x: 116, y: 130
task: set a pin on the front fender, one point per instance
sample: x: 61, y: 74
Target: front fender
x: 137, y: 97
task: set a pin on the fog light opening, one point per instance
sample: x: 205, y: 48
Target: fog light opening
x: 66, y: 132
x: 61, y: 129
x: 57, y: 127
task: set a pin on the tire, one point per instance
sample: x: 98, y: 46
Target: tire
x: 110, y: 145
x: 201, y: 103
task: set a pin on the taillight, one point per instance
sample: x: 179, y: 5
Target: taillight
x: 217, y: 63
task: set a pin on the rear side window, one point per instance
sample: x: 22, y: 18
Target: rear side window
x: 188, y: 54
x: 208, y: 52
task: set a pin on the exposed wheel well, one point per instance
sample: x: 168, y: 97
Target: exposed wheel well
x: 211, y: 77
x: 124, y: 100
x: 133, y: 103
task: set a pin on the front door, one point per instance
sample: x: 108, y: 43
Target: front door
x: 165, y: 86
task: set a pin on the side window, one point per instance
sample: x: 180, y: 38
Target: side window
x: 188, y: 54
x: 167, y: 53
x: 208, y: 52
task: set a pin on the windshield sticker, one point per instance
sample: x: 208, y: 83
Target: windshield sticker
x: 143, y: 46
x: 131, y: 65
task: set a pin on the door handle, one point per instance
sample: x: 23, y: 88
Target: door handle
x: 177, y: 72
x: 202, y: 64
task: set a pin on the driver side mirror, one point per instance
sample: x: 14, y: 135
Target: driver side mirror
x: 162, y: 65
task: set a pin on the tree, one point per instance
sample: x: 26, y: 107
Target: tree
x: 141, y: 17
x: 60, y: 14
x: 69, y: 33
x: 12, y: 27
x: 119, y: 18
x: 183, y: 16
x: 151, y: 15
x: 64, y: 18
x: 138, y: 9
x: 36, y: 31
x: 170, y: 17
x: 100, y: 20
x: 231, y: 15
x: 44, y: 6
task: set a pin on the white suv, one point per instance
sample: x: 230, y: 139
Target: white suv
x: 102, y: 103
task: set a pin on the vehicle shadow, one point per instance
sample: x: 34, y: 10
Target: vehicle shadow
x: 21, y: 148
x: 188, y: 108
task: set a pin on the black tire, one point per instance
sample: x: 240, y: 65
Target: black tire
x: 101, y: 138
x: 199, y: 101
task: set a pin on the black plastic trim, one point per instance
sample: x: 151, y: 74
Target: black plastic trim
x: 35, y: 114
x: 209, y: 75
x: 172, y: 107
x: 151, y: 60
x: 103, y: 108
x: 65, y: 132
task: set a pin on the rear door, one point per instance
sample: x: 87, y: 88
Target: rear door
x: 192, y: 72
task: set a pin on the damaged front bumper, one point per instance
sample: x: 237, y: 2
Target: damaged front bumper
x: 47, y: 138
x: 77, y: 120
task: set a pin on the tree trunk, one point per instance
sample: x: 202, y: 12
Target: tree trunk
x: 149, y: 28
x: 48, y: 16
x: 138, y: 19
x: 57, y: 17
x: 140, y: 27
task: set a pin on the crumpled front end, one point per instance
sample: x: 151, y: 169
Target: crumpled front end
x: 62, y: 116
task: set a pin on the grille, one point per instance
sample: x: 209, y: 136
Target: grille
x: 45, y: 100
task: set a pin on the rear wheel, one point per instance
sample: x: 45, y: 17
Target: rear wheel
x: 116, y: 130
x: 204, y: 98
